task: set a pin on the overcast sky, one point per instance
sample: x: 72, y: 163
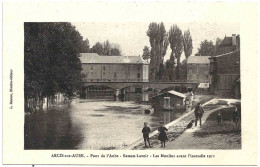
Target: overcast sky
x: 132, y: 36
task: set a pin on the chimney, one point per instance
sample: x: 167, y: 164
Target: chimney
x: 234, y: 42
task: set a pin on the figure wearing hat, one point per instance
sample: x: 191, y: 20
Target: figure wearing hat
x: 162, y: 134
x: 146, y: 130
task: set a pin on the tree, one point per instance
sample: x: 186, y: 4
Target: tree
x: 170, y: 69
x: 146, y: 53
x: 183, y: 70
x: 115, y: 49
x: 106, y: 48
x: 97, y: 48
x: 159, y: 43
x: 206, y: 48
x: 187, y: 44
x: 86, y: 47
x: 176, y: 44
x: 51, y: 61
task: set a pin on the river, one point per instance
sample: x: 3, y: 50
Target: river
x: 98, y: 122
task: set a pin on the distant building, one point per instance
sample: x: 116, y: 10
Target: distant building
x: 169, y: 100
x: 198, y: 69
x: 225, y: 73
x: 98, y: 68
x: 229, y: 44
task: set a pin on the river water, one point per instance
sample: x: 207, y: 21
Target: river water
x: 98, y: 122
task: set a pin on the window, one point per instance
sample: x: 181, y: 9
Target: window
x: 91, y: 67
x: 86, y: 75
x: 91, y: 74
x: 198, y: 77
x: 104, y: 67
x: 115, y: 75
x: 138, y: 68
x: 207, y: 76
x: 104, y: 73
x: 190, y: 71
x: 138, y: 75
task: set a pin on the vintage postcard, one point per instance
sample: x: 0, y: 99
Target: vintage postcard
x: 130, y: 83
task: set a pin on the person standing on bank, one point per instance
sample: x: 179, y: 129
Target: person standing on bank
x: 235, y: 117
x: 198, y: 113
x: 162, y: 134
x: 146, y: 130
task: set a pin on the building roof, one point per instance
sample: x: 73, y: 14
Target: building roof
x: 225, y: 54
x: 173, y: 93
x: 198, y: 60
x: 95, y: 58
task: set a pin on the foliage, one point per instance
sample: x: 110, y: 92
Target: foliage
x: 51, y: 62
x: 206, y: 48
x: 176, y: 44
x: 146, y: 53
x: 86, y: 46
x: 106, y: 48
x: 187, y: 44
x: 183, y: 70
x: 159, y: 42
x: 170, y: 69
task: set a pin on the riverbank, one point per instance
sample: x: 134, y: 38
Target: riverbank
x: 208, y: 136
x: 176, y: 127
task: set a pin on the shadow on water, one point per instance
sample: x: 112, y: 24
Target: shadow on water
x: 53, y: 129
x: 81, y: 126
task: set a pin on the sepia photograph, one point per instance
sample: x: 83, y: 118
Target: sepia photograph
x: 107, y: 86
x: 130, y: 83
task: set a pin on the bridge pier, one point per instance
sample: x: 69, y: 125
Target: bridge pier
x: 117, y: 92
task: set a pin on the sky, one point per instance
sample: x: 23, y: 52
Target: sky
x: 132, y: 36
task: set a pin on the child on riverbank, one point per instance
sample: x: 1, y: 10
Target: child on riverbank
x: 146, y: 130
x: 219, y: 118
x: 162, y: 134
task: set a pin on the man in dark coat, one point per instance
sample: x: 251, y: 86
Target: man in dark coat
x: 146, y: 130
x: 198, y: 113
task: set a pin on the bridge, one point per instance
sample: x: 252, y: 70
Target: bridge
x: 120, y: 87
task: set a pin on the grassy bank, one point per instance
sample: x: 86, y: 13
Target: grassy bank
x: 223, y: 136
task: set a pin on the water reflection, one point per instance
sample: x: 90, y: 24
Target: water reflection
x: 51, y: 130
x: 99, y: 122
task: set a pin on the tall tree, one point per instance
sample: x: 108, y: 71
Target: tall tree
x: 159, y: 43
x: 146, y: 53
x: 187, y: 44
x: 176, y: 44
x: 51, y: 62
x: 206, y: 48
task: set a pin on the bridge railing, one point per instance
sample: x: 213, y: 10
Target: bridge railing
x: 115, y: 80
